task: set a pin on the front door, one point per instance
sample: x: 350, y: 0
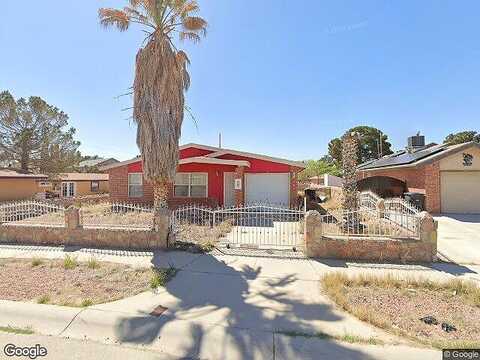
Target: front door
x: 229, y: 189
x: 68, y: 189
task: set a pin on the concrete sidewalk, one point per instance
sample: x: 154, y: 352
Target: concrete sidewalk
x: 225, y: 306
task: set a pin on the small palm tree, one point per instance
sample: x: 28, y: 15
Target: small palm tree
x: 161, y: 79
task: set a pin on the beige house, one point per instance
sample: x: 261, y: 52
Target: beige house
x: 19, y: 185
x: 69, y: 185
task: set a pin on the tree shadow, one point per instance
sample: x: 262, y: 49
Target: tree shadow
x: 234, y: 313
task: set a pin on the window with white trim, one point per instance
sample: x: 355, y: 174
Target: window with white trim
x: 135, y: 185
x: 190, y: 185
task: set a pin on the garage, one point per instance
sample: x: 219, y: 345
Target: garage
x: 460, y: 192
x: 267, y: 188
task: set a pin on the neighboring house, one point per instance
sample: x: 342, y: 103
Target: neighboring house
x: 18, y: 185
x: 213, y: 177
x: 95, y: 164
x: 77, y: 184
x: 326, y: 180
x: 448, y: 176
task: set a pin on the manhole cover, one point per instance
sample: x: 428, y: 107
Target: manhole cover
x: 159, y: 310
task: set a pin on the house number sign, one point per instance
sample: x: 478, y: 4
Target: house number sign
x: 238, y: 184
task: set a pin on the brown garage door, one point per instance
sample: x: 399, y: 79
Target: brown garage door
x: 460, y: 191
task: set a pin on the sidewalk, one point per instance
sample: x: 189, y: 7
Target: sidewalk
x: 224, y: 306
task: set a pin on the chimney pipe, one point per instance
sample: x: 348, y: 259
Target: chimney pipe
x: 220, y: 140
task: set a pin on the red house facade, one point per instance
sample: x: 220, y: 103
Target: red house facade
x: 213, y: 177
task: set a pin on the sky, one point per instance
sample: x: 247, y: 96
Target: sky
x: 277, y: 77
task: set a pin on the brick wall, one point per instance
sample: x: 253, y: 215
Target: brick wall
x: 118, y: 178
x: 240, y: 193
x: 432, y: 187
x: 413, y: 177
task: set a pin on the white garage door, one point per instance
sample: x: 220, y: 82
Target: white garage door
x: 460, y: 191
x: 267, y: 188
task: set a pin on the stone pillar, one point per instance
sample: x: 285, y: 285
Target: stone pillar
x: 313, y: 232
x: 161, y: 225
x: 428, y: 233
x: 72, y: 218
x: 239, y: 192
x: 380, y: 208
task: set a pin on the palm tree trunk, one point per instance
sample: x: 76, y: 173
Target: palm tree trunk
x: 161, y: 213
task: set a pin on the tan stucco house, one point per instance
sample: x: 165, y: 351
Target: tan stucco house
x: 69, y: 185
x: 19, y: 185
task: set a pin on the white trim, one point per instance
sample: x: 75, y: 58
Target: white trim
x: 206, y: 160
x: 190, y: 185
x: 128, y: 184
x: 68, y: 189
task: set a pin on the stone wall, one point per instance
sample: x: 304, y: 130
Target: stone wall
x: 396, y: 250
x: 74, y: 234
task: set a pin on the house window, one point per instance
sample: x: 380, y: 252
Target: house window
x: 94, y: 186
x: 135, y: 185
x: 68, y: 189
x: 190, y: 185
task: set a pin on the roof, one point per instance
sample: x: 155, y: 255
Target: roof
x: 82, y: 177
x: 20, y: 174
x: 217, y: 152
x: 95, y: 162
x: 425, y: 155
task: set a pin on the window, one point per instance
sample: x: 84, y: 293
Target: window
x: 94, y: 186
x: 190, y: 185
x: 68, y: 189
x: 135, y: 185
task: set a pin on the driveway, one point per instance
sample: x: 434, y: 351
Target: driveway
x: 459, y: 238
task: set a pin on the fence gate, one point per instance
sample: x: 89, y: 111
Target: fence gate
x: 263, y: 227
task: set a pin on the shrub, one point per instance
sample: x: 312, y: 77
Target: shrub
x: 87, y: 303
x: 44, y: 299
x: 69, y: 262
x: 93, y: 263
x: 36, y: 262
x: 161, y: 277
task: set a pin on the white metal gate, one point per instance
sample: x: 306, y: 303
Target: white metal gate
x: 256, y: 226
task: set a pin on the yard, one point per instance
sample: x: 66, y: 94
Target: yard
x: 71, y: 283
x: 443, y: 315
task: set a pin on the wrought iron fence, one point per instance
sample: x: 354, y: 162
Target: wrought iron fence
x: 32, y: 212
x: 117, y: 215
x: 365, y: 223
x: 401, y: 206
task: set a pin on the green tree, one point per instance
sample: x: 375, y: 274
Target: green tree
x: 325, y: 165
x: 161, y: 79
x: 35, y: 134
x: 369, y: 147
x: 462, y: 137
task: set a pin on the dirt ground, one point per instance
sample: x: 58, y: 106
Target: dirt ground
x: 399, y: 306
x: 48, y: 281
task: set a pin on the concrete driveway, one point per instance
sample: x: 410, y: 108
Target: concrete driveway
x: 459, y: 238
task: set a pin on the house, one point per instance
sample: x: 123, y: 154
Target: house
x: 17, y: 184
x: 77, y: 184
x: 447, y: 175
x: 213, y: 177
x: 95, y: 164
x: 326, y: 180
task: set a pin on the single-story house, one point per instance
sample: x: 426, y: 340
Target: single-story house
x: 212, y: 176
x: 19, y: 185
x: 77, y: 184
x: 447, y: 175
x: 92, y: 165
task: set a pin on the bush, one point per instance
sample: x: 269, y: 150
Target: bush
x: 69, y: 262
x: 161, y: 277
x: 36, y: 262
x: 45, y: 299
x: 87, y: 303
x: 93, y: 263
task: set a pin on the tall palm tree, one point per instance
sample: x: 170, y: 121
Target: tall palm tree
x: 161, y: 79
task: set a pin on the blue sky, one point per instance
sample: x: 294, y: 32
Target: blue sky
x: 274, y: 76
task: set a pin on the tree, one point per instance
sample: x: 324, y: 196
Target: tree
x: 462, y: 137
x: 35, y: 134
x: 369, y: 145
x: 325, y: 165
x: 161, y: 79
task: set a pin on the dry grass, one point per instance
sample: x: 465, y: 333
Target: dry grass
x: 16, y: 330
x: 77, y: 284
x: 397, y: 305
x: 203, y: 238
x: 351, y: 339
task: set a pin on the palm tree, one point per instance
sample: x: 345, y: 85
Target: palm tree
x: 161, y: 79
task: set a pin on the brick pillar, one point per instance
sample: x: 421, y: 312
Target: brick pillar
x: 432, y: 188
x: 428, y: 234
x: 293, y: 189
x: 72, y: 218
x: 313, y: 234
x: 240, y: 193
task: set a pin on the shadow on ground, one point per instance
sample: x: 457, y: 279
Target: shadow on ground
x: 234, y: 315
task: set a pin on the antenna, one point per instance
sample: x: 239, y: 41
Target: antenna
x: 219, y: 140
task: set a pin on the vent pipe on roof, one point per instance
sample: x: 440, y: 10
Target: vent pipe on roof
x: 220, y: 140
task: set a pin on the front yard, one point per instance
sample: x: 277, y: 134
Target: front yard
x: 71, y: 283
x: 443, y: 315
